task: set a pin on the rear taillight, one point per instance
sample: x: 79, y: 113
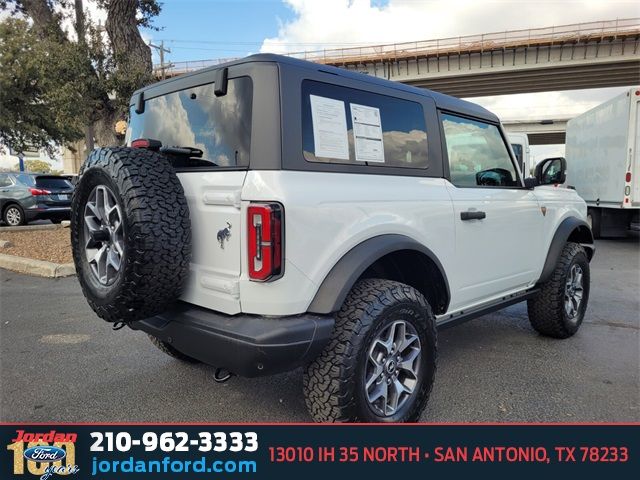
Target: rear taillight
x: 39, y: 191
x: 265, y: 241
x: 147, y: 143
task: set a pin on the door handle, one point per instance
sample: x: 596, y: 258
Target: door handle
x: 472, y: 215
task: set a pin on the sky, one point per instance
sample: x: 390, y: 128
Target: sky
x: 198, y: 29
x: 220, y: 29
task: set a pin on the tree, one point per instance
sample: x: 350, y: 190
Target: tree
x: 55, y: 106
x: 39, y: 166
x: 40, y: 92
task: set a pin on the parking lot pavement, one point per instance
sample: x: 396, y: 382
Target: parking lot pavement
x: 59, y: 362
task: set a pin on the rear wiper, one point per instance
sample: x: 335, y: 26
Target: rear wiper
x: 184, y: 151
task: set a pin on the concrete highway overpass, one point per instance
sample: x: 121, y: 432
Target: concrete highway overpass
x: 567, y: 57
x: 540, y: 132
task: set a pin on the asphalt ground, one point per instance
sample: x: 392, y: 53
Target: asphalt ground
x: 60, y: 363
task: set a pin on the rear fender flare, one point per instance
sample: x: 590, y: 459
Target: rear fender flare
x: 346, y: 272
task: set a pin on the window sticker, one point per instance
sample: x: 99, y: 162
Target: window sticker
x: 367, y: 133
x: 329, y: 127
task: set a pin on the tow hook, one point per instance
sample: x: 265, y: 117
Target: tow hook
x: 221, y: 375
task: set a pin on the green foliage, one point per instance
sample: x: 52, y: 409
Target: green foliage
x: 42, y: 86
x: 52, y: 87
x: 38, y: 166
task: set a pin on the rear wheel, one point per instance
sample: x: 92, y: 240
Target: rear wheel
x: 380, y: 363
x: 14, y: 216
x: 559, y: 308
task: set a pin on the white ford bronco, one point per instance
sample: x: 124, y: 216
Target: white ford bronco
x: 270, y: 213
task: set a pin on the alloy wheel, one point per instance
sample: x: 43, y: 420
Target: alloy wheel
x: 573, y: 292
x: 103, y: 234
x: 13, y: 216
x: 391, y: 373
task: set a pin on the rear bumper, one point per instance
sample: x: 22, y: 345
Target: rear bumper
x: 45, y: 213
x: 246, y: 345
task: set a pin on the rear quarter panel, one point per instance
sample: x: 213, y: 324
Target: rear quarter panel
x: 327, y: 214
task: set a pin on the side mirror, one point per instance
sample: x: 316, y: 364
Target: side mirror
x: 551, y: 171
x: 530, y: 183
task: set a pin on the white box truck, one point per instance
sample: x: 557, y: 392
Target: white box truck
x: 520, y: 144
x: 603, y: 157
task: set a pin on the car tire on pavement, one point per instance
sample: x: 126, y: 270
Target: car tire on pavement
x: 558, y: 310
x: 13, y: 215
x: 130, y: 233
x: 380, y: 363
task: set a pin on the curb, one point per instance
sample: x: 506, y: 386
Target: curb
x: 22, y: 228
x: 39, y: 268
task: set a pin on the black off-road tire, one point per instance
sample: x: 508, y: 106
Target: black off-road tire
x: 334, y: 382
x: 171, y: 351
x: 546, y: 311
x: 157, y: 233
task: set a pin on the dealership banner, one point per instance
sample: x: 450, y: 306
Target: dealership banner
x: 200, y: 451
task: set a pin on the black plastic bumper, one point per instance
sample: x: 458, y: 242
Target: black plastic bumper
x: 246, y: 345
x: 62, y: 213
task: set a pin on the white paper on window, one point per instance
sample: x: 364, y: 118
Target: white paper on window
x: 329, y: 128
x: 367, y: 133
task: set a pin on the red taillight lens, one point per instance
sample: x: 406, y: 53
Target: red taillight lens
x: 140, y: 143
x: 627, y: 177
x: 39, y: 191
x: 265, y: 224
x: 147, y: 143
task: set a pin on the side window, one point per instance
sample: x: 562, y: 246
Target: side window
x: 5, y: 181
x: 478, y: 156
x: 350, y: 126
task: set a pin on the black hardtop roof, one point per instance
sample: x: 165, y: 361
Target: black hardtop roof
x: 445, y: 102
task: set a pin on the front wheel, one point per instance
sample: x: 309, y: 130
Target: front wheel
x: 558, y: 310
x: 380, y: 363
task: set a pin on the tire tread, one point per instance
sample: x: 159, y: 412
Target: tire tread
x: 328, y: 380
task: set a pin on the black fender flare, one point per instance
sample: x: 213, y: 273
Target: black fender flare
x: 560, y: 238
x: 344, y: 274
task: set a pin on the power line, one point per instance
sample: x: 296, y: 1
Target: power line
x: 227, y: 42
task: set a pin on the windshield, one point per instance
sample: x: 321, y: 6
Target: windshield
x: 196, y: 118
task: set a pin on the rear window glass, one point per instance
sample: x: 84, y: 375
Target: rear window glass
x: 349, y: 126
x: 50, y: 183
x: 195, y: 117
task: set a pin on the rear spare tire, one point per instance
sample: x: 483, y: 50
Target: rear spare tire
x: 130, y: 233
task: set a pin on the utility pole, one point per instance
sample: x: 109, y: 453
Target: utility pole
x: 161, y: 51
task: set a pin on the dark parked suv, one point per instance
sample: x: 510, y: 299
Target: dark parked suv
x: 30, y: 196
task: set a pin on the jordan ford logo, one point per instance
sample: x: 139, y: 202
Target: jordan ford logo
x: 224, y: 235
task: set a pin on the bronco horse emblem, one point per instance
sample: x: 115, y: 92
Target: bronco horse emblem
x: 223, y: 235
